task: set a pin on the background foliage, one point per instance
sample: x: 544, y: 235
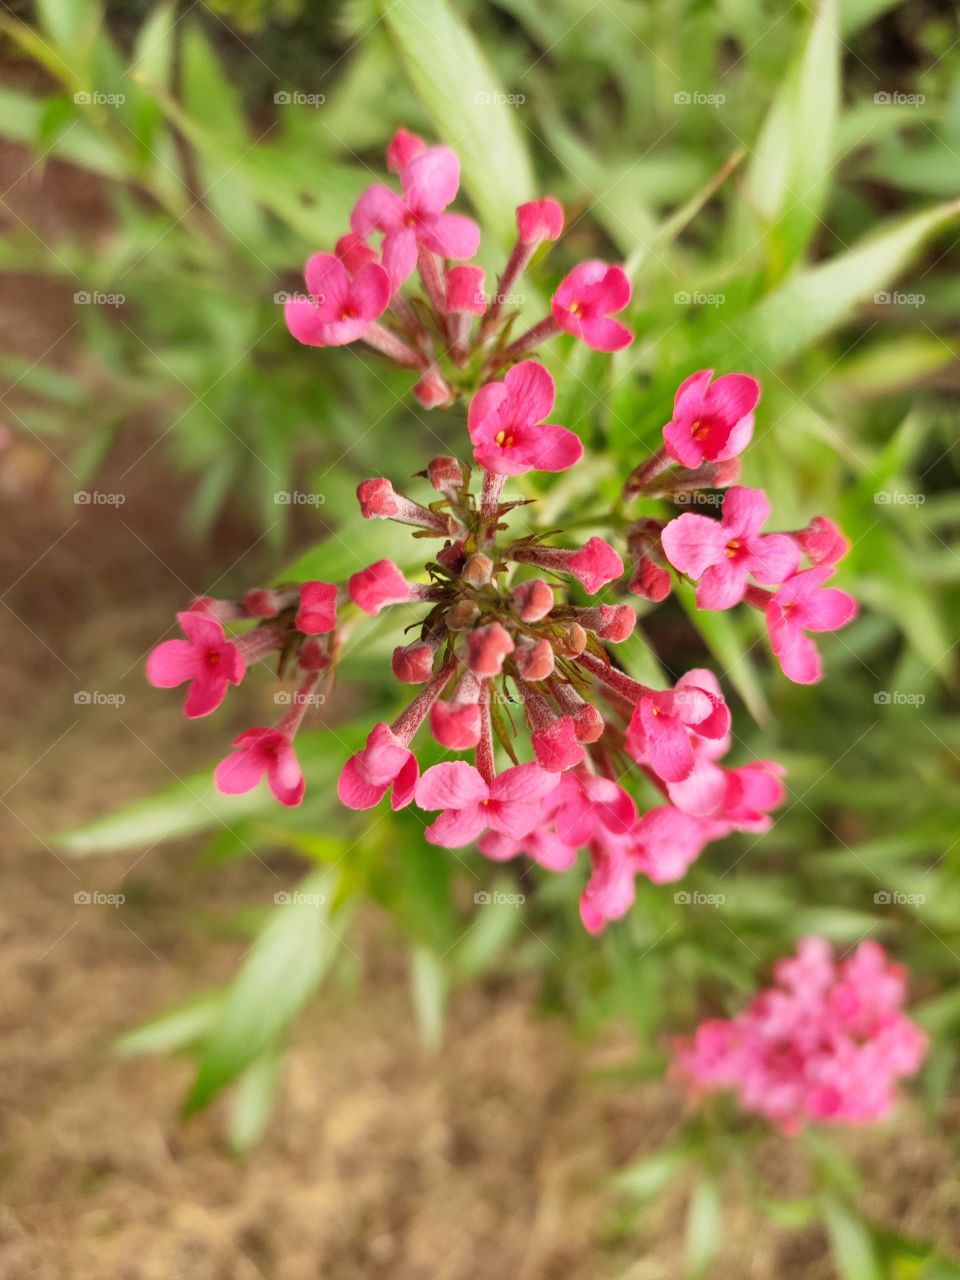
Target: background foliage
x: 781, y: 183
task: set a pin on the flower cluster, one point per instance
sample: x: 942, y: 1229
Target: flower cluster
x: 519, y: 629
x: 826, y: 1044
x: 452, y: 332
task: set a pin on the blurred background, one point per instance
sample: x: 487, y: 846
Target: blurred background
x: 246, y: 1043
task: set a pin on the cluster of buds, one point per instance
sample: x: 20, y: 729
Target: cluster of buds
x: 827, y: 1043
x: 514, y: 653
x: 451, y: 331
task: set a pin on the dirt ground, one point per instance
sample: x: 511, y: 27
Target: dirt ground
x: 490, y: 1158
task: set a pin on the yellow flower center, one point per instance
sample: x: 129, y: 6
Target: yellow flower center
x: 504, y: 440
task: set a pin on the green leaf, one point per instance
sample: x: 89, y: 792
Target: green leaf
x: 647, y: 1178
x: 851, y: 1241
x: 703, y: 1227
x: 253, y: 1101
x: 281, y: 972
x: 170, y: 1032
x: 429, y: 985
x: 814, y: 302
x: 467, y: 105
x: 789, y: 176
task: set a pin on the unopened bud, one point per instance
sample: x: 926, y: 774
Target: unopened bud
x: 461, y: 616
x: 413, y: 663
x: 433, y: 391
x: 465, y: 290
x: 535, y: 661
x: 447, y: 475
x: 478, y: 570
x: 539, y: 220
x: 534, y: 599
x: 487, y: 650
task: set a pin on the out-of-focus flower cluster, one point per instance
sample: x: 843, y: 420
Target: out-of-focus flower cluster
x: 826, y: 1044
x: 514, y: 652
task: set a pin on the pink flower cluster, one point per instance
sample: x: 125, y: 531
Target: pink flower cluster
x: 356, y: 292
x: 522, y: 629
x: 826, y: 1044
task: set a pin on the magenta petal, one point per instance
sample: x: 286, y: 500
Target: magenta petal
x: 172, y: 662
x: 668, y: 745
x: 526, y: 782
x: 201, y: 629
x: 702, y: 791
x: 603, y: 334
x: 454, y: 784
x: 512, y: 817
x: 431, y: 179
x: 205, y: 695
x: 328, y: 284
x: 405, y: 783
x: 378, y: 209
x: 240, y: 771
x: 284, y: 774
x: 485, y: 409
x: 692, y: 543
x: 306, y: 324
x: 451, y: 235
x: 353, y: 788
x: 688, y: 402
x: 773, y: 558
x: 797, y: 654
x: 828, y: 610
x: 732, y: 396
x: 745, y: 511
x: 551, y: 448
x: 723, y: 585
x: 370, y: 292
x: 681, y: 446
x: 399, y: 255
x: 531, y: 392
x: 456, y: 827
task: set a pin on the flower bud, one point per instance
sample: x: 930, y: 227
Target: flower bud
x: 556, y: 747
x: 487, y: 649
x: 413, y: 663
x: 318, y: 608
x: 447, y: 475
x: 533, y: 599
x: 465, y: 290
x: 456, y: 725
x: 461, y: 616
x: 478, y: 570
x: 433, y: 391
x: 403, y: 146
x: 539, y: 220
x: 535, y: 661
x: 651, y: 581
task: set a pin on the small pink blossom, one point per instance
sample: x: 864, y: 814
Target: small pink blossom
x: 465, y: 290
x: 340, y: 310
x: 721, y: 555
x: 354, y: 252
x: 555, y: 746
x: 455, y: 724
x: 587, y: 298
x: 664, y: 720
x: 539, y: 220
x: 822, y: 541
x: 506, y: 425
x: 712, y: 421
x: 585, y: 805
x: 262, y: 751
x: 318, y: 608
x: 803, y: 604
x: 384, y: 762
x: 206, y: 658
x: 382, y: 584
x: 509, y: 804
x: 430, y: 181
x: 413, y: 663
x: 542, y: 844
x: 594, y: 565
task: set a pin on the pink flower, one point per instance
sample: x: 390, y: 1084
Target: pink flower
x: 584, y: 805
x: 663, y: 720
x: 804, y: 604
x: 341, y: 309
x: 585, y: 300
x: 827, y: 1043
x: 822, y: 542
x: 403, y: 146
x: 594, y: 565
x: 262, y: 751
x: 318, y: 608
x: 721, y: 555
x: 541, y: 844
x: 206, y: 658
x: 712, y: 421
x: 430, y: 181
x: 555, y: 746
x: 384, y: 762
x: 382, y: 584
x: 354, y: 252
x: 667, y: 842
x: 539, y: 220
x: 509, y: 804
x: 610, y: 891
x: 650, y: 580
x: 506, y: 425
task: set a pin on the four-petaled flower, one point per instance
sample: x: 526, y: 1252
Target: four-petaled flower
x: 206, y: 658
x: 262, y: 751
x: 509, y: 804
x: 804, y: 604
x: 339, y: 310
x: 585, y: 300
x: 712, y: 421
x: 383, y: 763
x: 506, y: 425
